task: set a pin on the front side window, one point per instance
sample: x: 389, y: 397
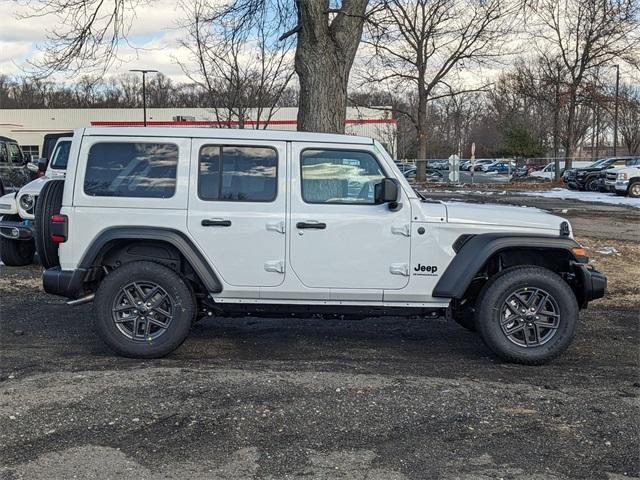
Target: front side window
x: 61, y: 156
x: 237, y: 174
x: 4, y: 156
x: 633, y: 162
x: 14, y: 153
x: 339, y: 176
x: 131, y: 169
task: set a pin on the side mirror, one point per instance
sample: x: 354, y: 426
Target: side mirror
x: 42, y: 164
x: 387, y: 191
x: 26, y: 158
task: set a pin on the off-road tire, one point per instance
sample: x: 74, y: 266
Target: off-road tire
x: 634, y: 189
x: 49, y: 203
x: 489, y: 314
x: 591, y: 185
x: 16, y: 253
x: 181, y: 296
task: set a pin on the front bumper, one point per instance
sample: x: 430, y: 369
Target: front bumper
x: 621, y: 185
x: 65, y: 283
x: 16, y: 230
x: 594, y: 283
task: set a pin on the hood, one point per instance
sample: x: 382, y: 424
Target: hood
x: 503, y: 216
x: 34, y: 187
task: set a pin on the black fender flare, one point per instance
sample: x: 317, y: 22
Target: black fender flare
x: 475, y: 252
x: 173, y: 237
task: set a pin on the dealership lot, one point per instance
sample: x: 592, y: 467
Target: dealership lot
x: 376, y: 398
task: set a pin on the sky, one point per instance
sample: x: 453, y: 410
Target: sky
x: 153, y: 36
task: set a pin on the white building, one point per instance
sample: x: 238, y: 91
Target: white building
x: 28, y: 126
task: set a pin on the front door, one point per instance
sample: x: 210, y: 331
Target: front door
x: 340, y: 239
x: 237, y: 209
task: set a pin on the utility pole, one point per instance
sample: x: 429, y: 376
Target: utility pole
x: 144, y: 91
x: 615, y: 116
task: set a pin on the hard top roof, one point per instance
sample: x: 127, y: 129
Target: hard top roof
x: 227, y: 133
x: 7, y: 139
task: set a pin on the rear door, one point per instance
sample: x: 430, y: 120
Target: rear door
x: 237, y: 209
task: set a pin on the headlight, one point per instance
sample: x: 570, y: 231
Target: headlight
x: 27, y: 202
x: 623, y: 176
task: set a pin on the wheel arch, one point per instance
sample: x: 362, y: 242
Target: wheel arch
x: 167, y: 246
x: 490, y: 252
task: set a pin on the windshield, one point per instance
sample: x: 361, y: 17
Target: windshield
x: 599, y: 163
x: 61, y: 156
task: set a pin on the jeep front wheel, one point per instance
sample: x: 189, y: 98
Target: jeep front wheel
x: 143, y: 310
x: 527, y: 315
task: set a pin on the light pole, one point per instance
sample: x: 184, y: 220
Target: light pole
x: 144, y: 91
x: 615, y: 115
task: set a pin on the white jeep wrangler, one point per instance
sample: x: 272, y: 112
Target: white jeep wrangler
x: 625, y: 180
x: 17, y: 211
x: 162, y: 226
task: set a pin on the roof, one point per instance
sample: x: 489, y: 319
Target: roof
x: 228, y: 133
x: 7, y: 139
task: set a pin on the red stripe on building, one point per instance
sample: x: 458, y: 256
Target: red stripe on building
x: 208, y: 123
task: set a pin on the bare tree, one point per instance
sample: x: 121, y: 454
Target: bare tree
x: 630, y: 118
x: 419, y: 46
x: 582, y: 36
x: 327, y: 40
x: 243, y: 71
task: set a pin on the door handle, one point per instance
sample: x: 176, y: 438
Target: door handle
x: 215, y: 222
x: 314, y: 225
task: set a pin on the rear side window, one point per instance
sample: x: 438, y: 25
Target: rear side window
x: 237, y: 174
x: 128, y: 169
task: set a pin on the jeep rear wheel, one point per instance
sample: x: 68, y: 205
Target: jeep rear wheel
x: 143, y: 310
x: 527, y: 315
x: 16, y: 253
x: 49, y: 203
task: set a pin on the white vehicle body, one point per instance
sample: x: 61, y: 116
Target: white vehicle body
x: 367, y: 255
x: 620, y: 179
x: 159, y: 227
x: 547, y: 173
x: 23, y: 202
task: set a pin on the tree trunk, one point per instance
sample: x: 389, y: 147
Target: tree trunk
x: 324, y: 56
x: 571, y: 136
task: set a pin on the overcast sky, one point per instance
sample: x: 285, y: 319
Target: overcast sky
x: 154, y: 41
x: 153, y: 33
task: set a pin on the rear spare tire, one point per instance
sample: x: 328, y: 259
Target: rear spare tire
x: 49, y: 203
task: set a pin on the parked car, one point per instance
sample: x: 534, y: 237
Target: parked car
x: 13, y: 166
x: 48, y: 146
x: 17, y: 211
x: 432, y: 175
x: 547, y: 173
x: 478, y: 164
x: 159, y: 227
x: 587, y: 178
x: 499, y: 166
x: 625, y: 180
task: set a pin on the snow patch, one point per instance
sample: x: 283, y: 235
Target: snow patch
x: 608, y: 251
x: 591, y: 197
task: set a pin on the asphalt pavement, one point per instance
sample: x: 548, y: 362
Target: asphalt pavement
x: 380, y: 398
